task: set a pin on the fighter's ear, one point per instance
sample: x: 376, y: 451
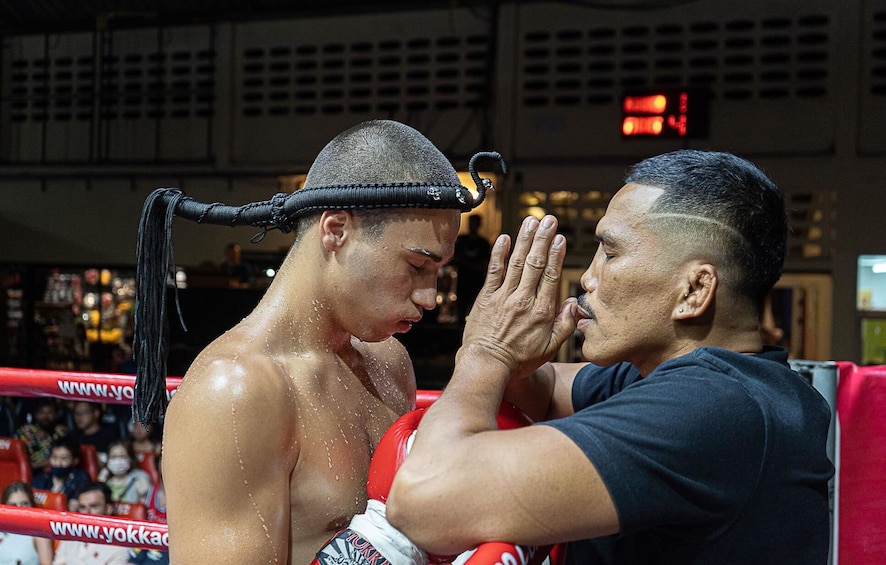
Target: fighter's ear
x: 333, y: 228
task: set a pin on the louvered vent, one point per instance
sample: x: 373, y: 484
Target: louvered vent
x: 366, y: 77
x: 129, y: 86
x: 773, y: 58
x: 878, y: 55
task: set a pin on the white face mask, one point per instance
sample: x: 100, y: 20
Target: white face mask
x: 118, y: 465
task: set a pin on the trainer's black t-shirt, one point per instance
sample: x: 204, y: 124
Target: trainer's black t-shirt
x: 714, y: 458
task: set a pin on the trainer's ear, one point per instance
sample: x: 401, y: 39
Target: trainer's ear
x: 333, y: 228
x: 699, y: 293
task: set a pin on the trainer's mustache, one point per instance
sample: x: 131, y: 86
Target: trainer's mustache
x: 583, y: 304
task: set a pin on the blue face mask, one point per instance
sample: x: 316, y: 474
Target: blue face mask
x: 60, y: 472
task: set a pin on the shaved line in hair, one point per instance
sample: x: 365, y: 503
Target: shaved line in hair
x: 709, y: 221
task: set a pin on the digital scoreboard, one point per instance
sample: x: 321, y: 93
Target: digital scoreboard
x: 666, y: 113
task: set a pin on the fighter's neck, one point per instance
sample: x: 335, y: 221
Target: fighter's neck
x: 294, y: 311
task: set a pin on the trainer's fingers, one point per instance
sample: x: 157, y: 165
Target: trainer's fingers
x: 564, y: 325
x: 522, y: 246
x: 538, y: 258
x: 548, y: 295
x: 495, y: 271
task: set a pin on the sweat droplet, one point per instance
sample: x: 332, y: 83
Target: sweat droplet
x: 246, y: 482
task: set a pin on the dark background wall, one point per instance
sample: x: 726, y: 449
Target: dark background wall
x: 230, y: 100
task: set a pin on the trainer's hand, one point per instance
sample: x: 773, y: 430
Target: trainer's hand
x: 517, y: 317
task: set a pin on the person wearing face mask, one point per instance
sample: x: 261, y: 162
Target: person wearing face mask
x: 127, y: 482
x: 63, y: 474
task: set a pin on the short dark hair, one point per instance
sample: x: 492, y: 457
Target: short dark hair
x: 728, y: 203
x: 45, y: 401
x: 96, y: 485
x: 69, y: 443
x: 377, y: 151
x: 380, y: 151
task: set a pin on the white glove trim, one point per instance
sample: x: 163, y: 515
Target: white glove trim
x: 374, y: 528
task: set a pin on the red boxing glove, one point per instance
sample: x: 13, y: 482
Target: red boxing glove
x: 392, y: 450
x: 369, y: 538
x: 497, y: 553
x: 389, y: 454
x: 501, y: 553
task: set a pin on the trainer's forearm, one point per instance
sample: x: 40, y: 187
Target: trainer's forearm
x: 534, y: 394
x: 469, y: 403
x: 425, y: 501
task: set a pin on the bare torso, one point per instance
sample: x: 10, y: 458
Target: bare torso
x: 253, y: 425
x: 342, y: 417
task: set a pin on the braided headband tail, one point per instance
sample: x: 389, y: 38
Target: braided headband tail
x: 155, y: 261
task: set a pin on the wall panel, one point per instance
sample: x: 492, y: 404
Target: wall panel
x: 872, y: 87
x: 767, y: 66
x: 299, y: 83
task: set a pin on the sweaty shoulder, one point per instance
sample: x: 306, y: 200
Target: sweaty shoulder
x: 221, y: 384
x: 389, y: 367
x: 229, y: 448
x: 220, y: 375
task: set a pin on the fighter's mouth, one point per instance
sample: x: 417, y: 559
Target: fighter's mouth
x: 404, y: 326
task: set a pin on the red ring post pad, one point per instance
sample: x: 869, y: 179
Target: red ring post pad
x: 72, y: 385
x: 109, y: 530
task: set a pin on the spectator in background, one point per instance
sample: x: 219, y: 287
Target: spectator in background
x: 41, y: 432
x: 19, y: 549
x: 128, y: 483
x: 471, y: 258
x: 238, y: 270
x: 89, y: 428
x: 63, y: 474
x: 148, y: 557
x: 122, y: 360
x: 8, y: 416
x: 94, y: 498
x: 144, y: 440
x: 155, y: 502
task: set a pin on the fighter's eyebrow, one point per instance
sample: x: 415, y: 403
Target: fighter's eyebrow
x: 422, y: 251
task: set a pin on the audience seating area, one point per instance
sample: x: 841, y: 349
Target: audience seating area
x: 14, y: 462
x: 51, y: 500
x: 15, y: 465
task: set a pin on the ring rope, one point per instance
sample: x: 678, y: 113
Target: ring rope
x: 60, y: 525
x: 110, y: 388
x: 72, y: 385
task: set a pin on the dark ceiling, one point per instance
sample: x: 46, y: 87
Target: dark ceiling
x: 39, y: 16
x: 43, y: 16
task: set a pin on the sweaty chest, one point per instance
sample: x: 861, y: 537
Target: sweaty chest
x: 328, y: 484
